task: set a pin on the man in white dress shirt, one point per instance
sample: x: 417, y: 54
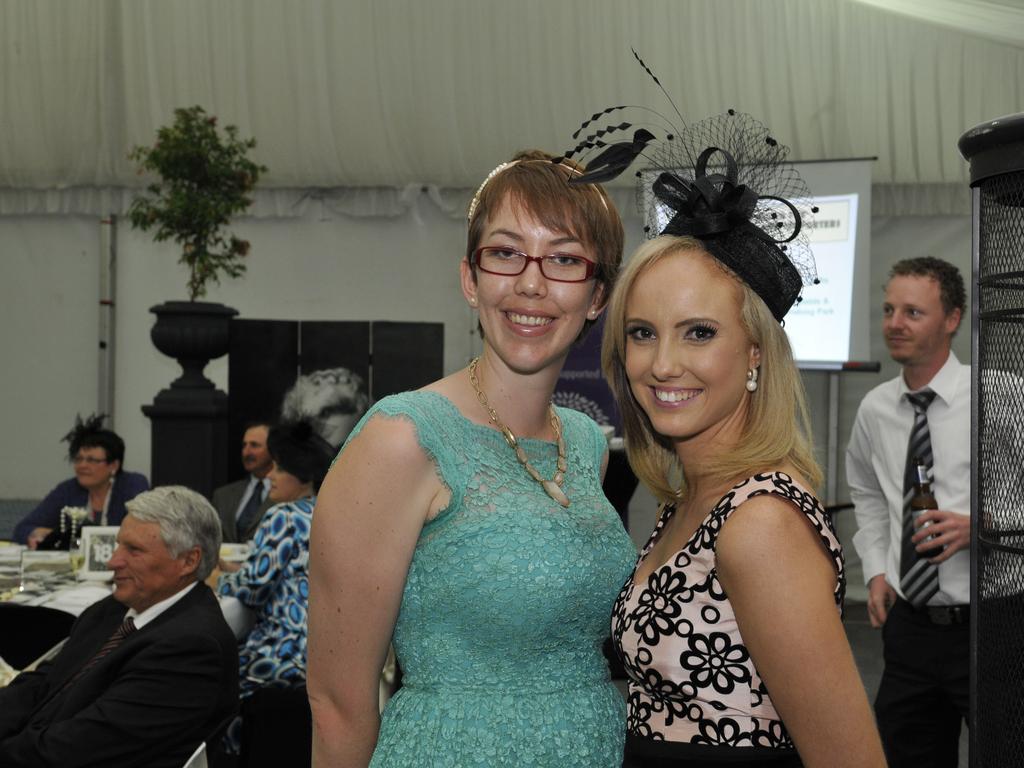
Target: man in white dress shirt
x: 921, y: 603
x: 241, y: 504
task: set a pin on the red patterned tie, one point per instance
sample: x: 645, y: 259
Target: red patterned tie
x: 126, y: 628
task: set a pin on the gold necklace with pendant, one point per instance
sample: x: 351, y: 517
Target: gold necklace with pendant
x: 552, y: 487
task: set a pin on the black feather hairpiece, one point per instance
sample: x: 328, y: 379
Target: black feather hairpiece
x: 83, y: 427
x: 298, y: 434
x: 724, y: 180
x: 299, y: 431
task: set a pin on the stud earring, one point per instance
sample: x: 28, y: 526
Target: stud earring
x: 752, y: 380
x: 472, y: 301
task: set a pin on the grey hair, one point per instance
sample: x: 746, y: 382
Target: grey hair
x: 318, y: 396
x: 186, y: 520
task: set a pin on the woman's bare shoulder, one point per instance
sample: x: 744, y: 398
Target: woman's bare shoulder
x: 768, y: 523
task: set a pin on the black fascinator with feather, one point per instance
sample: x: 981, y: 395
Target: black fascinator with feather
x: 724, y: 180
x: 82, y: 433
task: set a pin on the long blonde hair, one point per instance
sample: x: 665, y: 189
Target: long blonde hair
x: 777, y: 429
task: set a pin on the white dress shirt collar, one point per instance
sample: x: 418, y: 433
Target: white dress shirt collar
x: 142, y: 619
x: 945, y: 383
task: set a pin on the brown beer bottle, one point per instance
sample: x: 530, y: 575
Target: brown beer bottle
x: 922, y: 501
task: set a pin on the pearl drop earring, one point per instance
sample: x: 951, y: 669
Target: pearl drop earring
x: 751, y: 379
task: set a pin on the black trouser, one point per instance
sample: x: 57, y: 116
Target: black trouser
x: 924, y: 692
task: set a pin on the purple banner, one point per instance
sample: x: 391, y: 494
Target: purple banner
x: 582, y: 386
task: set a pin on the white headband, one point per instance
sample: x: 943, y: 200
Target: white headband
x: 476, y: 198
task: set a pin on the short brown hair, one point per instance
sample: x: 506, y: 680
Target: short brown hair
x: 951, y: 282
x: 538, y: 186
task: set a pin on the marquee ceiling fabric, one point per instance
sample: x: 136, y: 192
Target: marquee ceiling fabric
x: 1000, y: 20
x: 385, y: 94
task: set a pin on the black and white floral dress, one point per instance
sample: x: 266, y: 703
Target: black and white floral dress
x: 694, y: 691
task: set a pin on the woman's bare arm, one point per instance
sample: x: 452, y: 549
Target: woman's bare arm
x: 780, y: 582
x: 369, y: 514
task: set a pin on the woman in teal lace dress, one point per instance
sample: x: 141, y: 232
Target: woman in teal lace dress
x: 465, y: 521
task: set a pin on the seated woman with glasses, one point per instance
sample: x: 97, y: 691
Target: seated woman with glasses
x: 466, y: 520
x: 100, y: 485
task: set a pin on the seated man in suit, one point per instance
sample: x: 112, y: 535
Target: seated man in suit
x: 241, y: 504
x: 147, y: 673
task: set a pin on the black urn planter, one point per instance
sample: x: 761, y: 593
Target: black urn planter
x: 193, y: 333
x: 189, y: 418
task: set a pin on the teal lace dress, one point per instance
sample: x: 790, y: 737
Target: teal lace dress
x: 506, y: 605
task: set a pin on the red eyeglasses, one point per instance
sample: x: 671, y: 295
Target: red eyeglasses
x: 562, y: 267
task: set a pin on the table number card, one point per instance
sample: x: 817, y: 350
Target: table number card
x: 98, y: 545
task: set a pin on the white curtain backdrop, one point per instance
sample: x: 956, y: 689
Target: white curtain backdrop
x: 382, y: 94
x: 377, y: 119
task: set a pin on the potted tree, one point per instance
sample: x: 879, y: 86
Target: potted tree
x: 205, y: 177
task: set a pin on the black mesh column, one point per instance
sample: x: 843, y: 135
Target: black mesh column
x: 995, y: 151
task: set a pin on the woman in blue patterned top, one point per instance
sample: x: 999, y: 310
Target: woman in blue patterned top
x: 466, y: 520
x: 273, y: 581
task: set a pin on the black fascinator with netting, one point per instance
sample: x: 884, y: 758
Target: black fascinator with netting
x: 724, y: 180
x: 296, y: 448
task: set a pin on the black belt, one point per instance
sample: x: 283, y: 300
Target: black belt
x: 943, y: 615
x: 642, y: 752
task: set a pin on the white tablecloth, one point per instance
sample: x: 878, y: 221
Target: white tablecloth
x: 73, y: 596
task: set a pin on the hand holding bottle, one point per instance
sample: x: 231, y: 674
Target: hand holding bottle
x: 940, y: 533
x: 949, y: 530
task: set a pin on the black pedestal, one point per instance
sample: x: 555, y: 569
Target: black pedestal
x: 189, y: 439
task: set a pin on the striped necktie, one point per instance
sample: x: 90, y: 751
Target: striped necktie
x: 126, y: 628
x: 919, y: 579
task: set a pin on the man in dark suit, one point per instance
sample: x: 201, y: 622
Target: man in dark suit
x: 148, y: 673
x: 241, y: 504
